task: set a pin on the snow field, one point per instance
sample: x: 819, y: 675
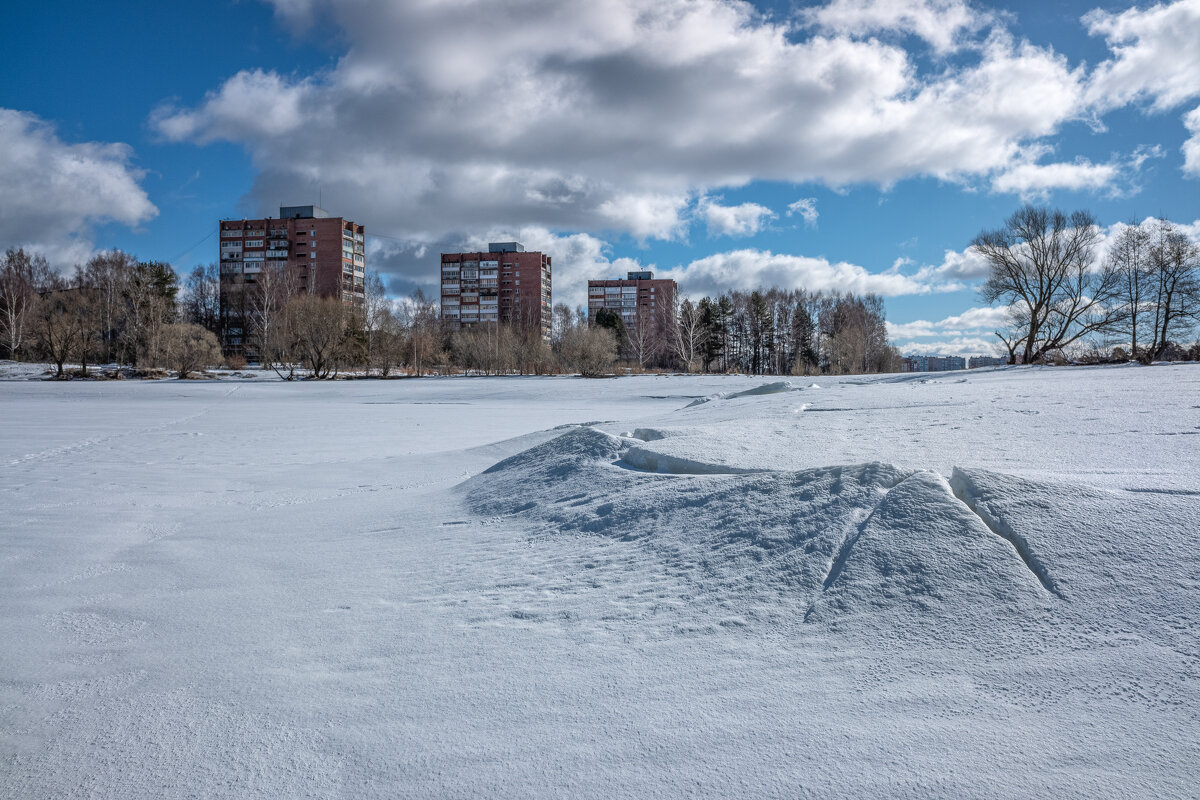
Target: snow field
x: 969, y: 585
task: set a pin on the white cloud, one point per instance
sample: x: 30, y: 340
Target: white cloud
x: 941, y: 23
x: 806, y: 207
x: 974, y: 320
x: 646, y: 215
x: 612, y: 116
x: 1156, y: 57
x: 1191, y: 148
x: 750, y: 269
x: 55, y: 193
x: 956, y: 346
x: 1037, y: 180
x: 745, y: 219
x: 966, y: 334
x: 250, y: 104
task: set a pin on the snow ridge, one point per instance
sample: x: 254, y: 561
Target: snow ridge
x: 966, y: 491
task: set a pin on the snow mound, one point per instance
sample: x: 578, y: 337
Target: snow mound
x: 860, y: 545
x: 776, y: 387
x: 922, y: 548
x: 766, y: 388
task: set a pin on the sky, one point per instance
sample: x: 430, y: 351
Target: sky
x: 852, y: 145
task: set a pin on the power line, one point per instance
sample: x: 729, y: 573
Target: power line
x: 210, y: 235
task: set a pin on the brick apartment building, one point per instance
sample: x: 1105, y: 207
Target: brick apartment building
x: 504, y: 285
x: 639, y: 299
x: 318, y: 254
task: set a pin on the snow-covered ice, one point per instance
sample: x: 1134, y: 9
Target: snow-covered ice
x: 981, y: 584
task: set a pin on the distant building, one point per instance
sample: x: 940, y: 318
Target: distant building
x: 312, y: 252
x: 988, y: 361
x: 639, y: 299
x: 934, y: 363
x: 504, y: 285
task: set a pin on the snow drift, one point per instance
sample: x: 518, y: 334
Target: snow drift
x: 826, y: 544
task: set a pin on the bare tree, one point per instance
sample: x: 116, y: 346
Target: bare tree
x: 374, y: 308
x: 589, y: 351
x: 1043, y: 265
x: 420, y: 316
x: 562, y: 319
x: 1174, y: 285
x: 108, y: 274
x: 1129, y: 257
x: 22, y: 275
x: 388, y: 349
x: 149, y: 303
x: 643, y: 339
x: 688, y: 335
x: 60, y: 321
x: 317, y: 333
x: 273, y: 288
x: 190, y: 347
x: 202, y: 297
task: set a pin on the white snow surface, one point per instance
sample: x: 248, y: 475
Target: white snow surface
x: 958, y: 585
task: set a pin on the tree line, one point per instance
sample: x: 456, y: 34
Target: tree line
x: 117, y: 309
x: 1063, y: 295
x: 113, y: 309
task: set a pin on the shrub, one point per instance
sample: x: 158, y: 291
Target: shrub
x: 191, y: 348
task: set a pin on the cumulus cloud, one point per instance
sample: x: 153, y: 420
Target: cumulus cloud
x: 965, y: 334
x: 55, y: 193
x: 252, y: 103
x: 957, y: 266
x: 1155, y: 57
x: 1155, y: 60
x: 749, y: 269
x: 974, y: 320
x: 1191, y: 148
x: 1037, y: 180
x: 646, y: 215
x: 941, y: 23
x: 613, y: 116
x: 806, y: 207
x: 745, y: 219
x: 956, y: 346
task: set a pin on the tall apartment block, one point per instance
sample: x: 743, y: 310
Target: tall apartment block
x: 639, y: 299
x: 306, y: 248
x: 504, y: 285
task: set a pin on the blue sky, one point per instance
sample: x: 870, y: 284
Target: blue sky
x: 856, y: 144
